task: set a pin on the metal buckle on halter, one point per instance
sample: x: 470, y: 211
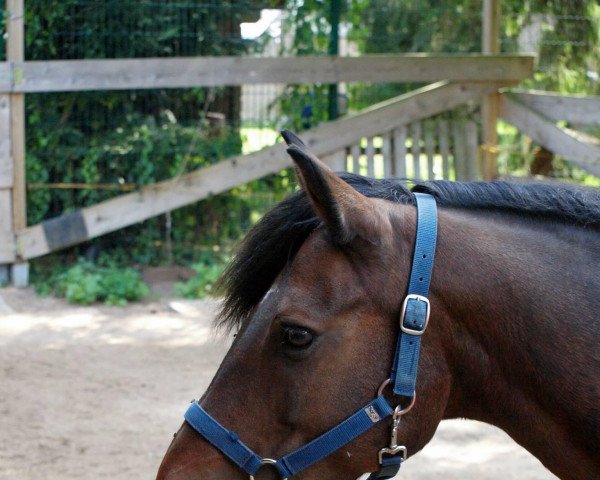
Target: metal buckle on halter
x: 414, y: 298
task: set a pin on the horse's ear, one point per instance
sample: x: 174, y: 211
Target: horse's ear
x: 346, y: 212
x: 292, y: 139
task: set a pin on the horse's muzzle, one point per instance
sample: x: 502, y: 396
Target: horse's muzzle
x: 190, y: 457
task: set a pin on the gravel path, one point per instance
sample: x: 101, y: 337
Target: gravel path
x: 97, y: 392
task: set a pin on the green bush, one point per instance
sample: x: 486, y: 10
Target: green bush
x: 86, y: 283
x: 208, y: 270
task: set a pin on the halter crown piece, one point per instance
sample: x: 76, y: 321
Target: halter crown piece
x: 413, y: 322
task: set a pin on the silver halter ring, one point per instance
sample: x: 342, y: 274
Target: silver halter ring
x: 267, y: 461
x: 398, y: 411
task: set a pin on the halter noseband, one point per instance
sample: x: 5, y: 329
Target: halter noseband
x: 413, y: 322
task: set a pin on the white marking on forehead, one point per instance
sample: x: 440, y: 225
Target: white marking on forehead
x: 272, y: 290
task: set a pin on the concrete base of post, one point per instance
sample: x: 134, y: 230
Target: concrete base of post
x: 20, y: 275
x: 4, y: 275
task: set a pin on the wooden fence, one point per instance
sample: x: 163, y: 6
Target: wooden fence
x: 537, y: 114
x: 409, y: 136
x: 444, y: 146
x: 401, y: 137
x: 465, y: 78
x: 123, y: 74
x: 386, y: 120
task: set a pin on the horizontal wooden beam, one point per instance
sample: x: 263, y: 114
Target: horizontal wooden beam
x: 159, y: 198
x: 571, y: 145
x: 81, y: 75
x: 578, y: 109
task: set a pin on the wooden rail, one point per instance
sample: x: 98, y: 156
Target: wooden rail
x: 576, y: 147
x: 81, y: 75
x: 577, y: 109
x: 326, y: 139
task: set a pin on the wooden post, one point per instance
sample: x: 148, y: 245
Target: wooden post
x: 472, y: 150
x: 7, y: 236
x: 400, y: 152
x: 444, y: 143
x: 370, y: 153
x: 490, y: 44
x: 415, y: 150
x: 15, y: 52
x: 459, y: 150
x: 355, y: 155
x: 429, y: 147
x: 386, y: 153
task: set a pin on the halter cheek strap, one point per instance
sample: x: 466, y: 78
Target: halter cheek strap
x: 415, y: 310
x: 413, y: 322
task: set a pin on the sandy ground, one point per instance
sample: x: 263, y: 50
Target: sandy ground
x: 97, y: 392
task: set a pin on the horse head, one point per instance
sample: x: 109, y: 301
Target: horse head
x: 317, y: 295
x: 320, y: 341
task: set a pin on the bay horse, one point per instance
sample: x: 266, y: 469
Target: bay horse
x: 315, y: 294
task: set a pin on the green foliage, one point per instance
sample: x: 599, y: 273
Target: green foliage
x: 86, y: 283
x: 138, y: 137
x: 143, y: 137
x: 139, y: 152
x: 208, y: 270
x: 570, y: 42
x: 297, y: 100
x: 307, y: 22
x: 567, y: 33
x: 390, y: 26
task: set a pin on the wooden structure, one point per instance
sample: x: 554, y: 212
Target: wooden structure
x: 81, y: 75
x: 12, y: 146
x: 464, y: 78
x: 490, y: 44
x: 536, y: 114
x: 409, y: 136
x: 433, y: 148
x: 391, y: 120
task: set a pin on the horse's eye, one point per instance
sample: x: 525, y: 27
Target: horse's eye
x: 297, y: 337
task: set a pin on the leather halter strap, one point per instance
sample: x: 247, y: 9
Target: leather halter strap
x: 413, y: 322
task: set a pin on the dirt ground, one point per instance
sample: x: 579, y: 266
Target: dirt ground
x: 97, y: 392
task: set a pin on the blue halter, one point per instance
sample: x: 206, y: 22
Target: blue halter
x: 413, y: 322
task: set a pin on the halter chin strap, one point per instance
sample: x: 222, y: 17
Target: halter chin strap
x: 413, y: 322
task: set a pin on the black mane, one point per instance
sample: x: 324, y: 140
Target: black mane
x: 276, y: 238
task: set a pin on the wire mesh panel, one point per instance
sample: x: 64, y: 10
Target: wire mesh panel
x: 75, y: 29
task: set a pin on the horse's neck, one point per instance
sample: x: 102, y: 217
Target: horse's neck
x: 519, y: 301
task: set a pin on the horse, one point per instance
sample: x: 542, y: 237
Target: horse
x: 315, y: 294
